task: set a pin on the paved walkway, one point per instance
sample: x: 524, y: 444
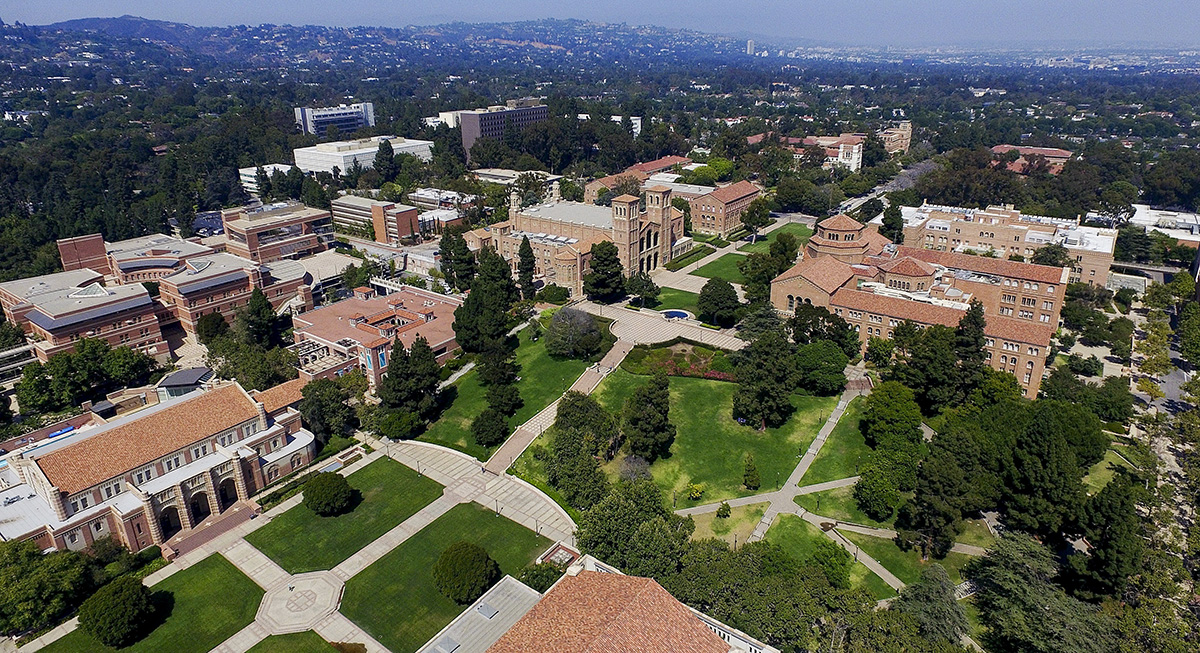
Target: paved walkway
x: 526, y: 433
x: 651, y: 327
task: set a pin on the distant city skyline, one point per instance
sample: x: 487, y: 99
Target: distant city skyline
x: 845, y: 22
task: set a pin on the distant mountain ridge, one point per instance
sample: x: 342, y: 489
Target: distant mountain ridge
x: 133, y: 27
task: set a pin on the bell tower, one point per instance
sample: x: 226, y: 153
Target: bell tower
x: 626, y: 217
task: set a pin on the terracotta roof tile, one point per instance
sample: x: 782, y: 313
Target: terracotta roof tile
x: 1006, y: 328
x: 114, y: 451
x: 985, y: 265
x: 608, y: 613
x: 908, y: 266
x: 281, y: 396
x: 842, y: 222
x: 660, y: 164
x: 735, y: 191
x: 875, y: 241
x: 826, y: 273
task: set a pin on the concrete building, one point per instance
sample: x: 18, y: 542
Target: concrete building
x: 358, y: 333
x: 435, y: 198
x: 384, y: 222
x: 347, y: 118
x: 493, y: 121
x: 720, y: 212
x: 898, y: 139
x: 1004, y: 231
x: 151, y: 475
x: 249, y: 176
x: 324, y: 157
x: 57, y: 310
x: 1052, y: 158
x: 562, y: 234
x: 875, y: 285
x: 277, y: 231
x: 506, y: 177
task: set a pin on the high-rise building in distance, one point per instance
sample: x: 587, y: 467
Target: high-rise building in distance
x: 347, y: 119
x: 750, y: 47
x: 494, y: 120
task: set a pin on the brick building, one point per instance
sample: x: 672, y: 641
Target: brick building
x: 720, y: 212
x: 223, y: 283
x: 147, y: 476
x: 277, y: 231
x: 386, y: 222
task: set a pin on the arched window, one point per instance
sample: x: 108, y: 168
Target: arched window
x: 297, y: 460
x: 791, y: 302
x: 272, y: 473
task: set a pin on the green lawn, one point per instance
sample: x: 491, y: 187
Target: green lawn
x: 543, y: 379
x: 763, y: 244
x: 725, y: 267
x: 670, y: 298
x: 1102, y: 472
x: 906, y: 565
x: 977, y: 533
x: 212, y: 600
x: 844, y: 450
x: 799, y: 538
x: 395, y: 600
x: 300, y: 540
x: 976, y: 629
x: 840, y: 504
x: 305, y: 642
x: 734, y: 529
x: 710, y: 447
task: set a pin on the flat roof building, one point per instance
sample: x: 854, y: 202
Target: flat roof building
x: 382, y: 221
x: 436, y: 198
x: 347, y: 118
x: 324, y: 157
x: 493, y: 121
x: 249, y: 176
x: 223, y: 283
x: 277, y: 231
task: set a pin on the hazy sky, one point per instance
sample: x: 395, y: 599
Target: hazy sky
x: 879, y: 22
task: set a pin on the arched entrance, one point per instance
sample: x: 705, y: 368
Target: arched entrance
x: 169, y: 520
x: 226, y: 494
x: 199, y: 507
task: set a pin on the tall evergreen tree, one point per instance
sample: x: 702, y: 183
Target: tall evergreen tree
x: 526, y: 265
x: 893, y: 224
x: 969, y: 340
x: 931, y: 602
x: 606, y: 281
x: 648, y: 427
x: 385, y: 161
x: 766, y: 378
x: 412, y: 380
x: 257, y: 320
x: 719, y: 302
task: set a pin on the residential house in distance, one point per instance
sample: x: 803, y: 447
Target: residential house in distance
x: 382, y: 221
x: 1053, y: 157
x: 358, y: 333
x: 277, y: 231
x: 347, y: 118
x: 151, y: 475
x: 324, y: 157
x: 562, y: 234
x: 897, y: 140
x: 875, y: 285
x: 592, y: 607
x: 1005, y: 231
x: 56, y: 310
x: 493, y: 121
x: 720, y: 212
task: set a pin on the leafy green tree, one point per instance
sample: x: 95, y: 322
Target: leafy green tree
x: 526, y: 266
x: 11, y: 335
x: 398, y: 425
x: 1189, y: 333
x: 891, y: 415
x: 324, y: 408
x: 718, y: 302
x: 584, y: 413
x: 759, y: 319
x: 1044, y: 481
x: 606, y: 529
x: 412, y: 381
x: 834, y: 561
x: 784, y: 250
x: 256, y: 322
x: 464, y: 571
x: 33, y: 390
x: 876, y: 493
x: 893, y: 224
x: 489, y: 428
x: 640, y: 285
x: 750, y: 477
x: 760, y: 270
x: 1111, y: 522
x: 1054, y: 255
x: 930, y: 368
x: 119, y: 614
x: 880, y: 351
x: 573, y: 468
x: 211, y: 326
x: 756, y: 216
x: 541, y: 577
x: 482, y: 322
x: 821, y: 368
x: 573, y: 334
x: 648, y: 428
x: 658, y: 545
x: 766, y: 378
x: 606, y: 281
x: 812, y: 323
x: 254, y: 367
x: 327, y: 494
x: 1023, y: 607
x: 1183, y: 289
x: 36, y: 589
x: 969, y: 340
x: 931, y: 602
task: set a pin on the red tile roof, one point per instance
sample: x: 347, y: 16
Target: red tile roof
x: 826, y: 273
x: 117, y: 450
x: 875, y: 241
x: 1048, y: 152
x: 735, y: 191
x: 608, y: 613
x: 842, y: 222
x: 281, y: 396
x: 985, y: 265
x: 658, y: 165
x: 1006, y: 328
x: 908, y: 266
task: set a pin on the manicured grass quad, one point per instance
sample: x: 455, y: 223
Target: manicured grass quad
x: 906, y: 565
x: 710, y: 447
x: 725, y: 267
x: 209, y: 602
x: 799, y: 538
x: 763, y: 244
x: 543, y: 379
x: 845, y: 450
x: 839, y: 504
x: 395, y: 600
x: 673, y: 298
x: 300, y: 540
x: 305, y: 642
x: 734, y: 529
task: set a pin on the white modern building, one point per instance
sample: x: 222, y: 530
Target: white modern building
x: 324, y: 157
x: 347, y: 118
x: 249, y: 176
